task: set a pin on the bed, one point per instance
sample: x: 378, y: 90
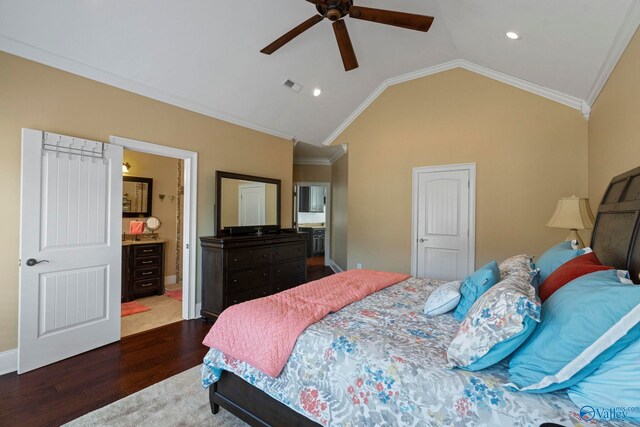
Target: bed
x: 381, y: 361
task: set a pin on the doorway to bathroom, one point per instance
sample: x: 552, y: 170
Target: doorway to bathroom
x: 158, y: 209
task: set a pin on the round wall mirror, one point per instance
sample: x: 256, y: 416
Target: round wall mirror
x: 152, y: 223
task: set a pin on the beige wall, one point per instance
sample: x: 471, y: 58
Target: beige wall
x: 40, y: 97
x: 311, y: 173
x: 614, y: 124
x: 164, y: 172
x: 339, y: 212
x: 529, y: 151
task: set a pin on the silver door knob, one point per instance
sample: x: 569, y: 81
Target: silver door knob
x: 422, y: 240
x: 32, y: 261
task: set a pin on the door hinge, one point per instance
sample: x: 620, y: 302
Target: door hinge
x: 186, y: 246
x: 468, y: 184
x: 19, y: 262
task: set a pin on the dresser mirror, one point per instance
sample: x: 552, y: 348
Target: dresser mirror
x: 137, y: 196
x: 246, y: 204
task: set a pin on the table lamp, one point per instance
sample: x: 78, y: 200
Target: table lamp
x: 575, y: 214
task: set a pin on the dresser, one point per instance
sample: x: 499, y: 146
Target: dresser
x: 142, y: 269
x: 240, y: 268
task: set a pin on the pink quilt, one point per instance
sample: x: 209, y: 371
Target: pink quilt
x: 262, y: 332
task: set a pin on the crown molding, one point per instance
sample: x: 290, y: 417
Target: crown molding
x: 312, y: 161
x: 69, y: 65
x: 339, y: 153
x: 618, y: 46
x: 551, y: 94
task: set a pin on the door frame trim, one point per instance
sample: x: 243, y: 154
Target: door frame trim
x: 189, y: 224
x: 471, y: 168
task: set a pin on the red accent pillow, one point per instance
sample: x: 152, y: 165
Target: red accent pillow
x: 578, y: 266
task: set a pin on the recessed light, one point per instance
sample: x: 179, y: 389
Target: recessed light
x: 512, y: 35
x: 317, y: 92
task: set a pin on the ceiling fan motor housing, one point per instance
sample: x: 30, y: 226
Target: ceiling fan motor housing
x: 334, y: 10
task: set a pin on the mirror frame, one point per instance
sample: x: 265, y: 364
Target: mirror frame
x: 225, y: 231
x: 149, y: 182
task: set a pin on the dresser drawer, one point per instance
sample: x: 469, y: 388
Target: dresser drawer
x: 247, y: 295
x: 146, y: 262
x: 146, y: 273
x: 146, y: 250
x: 289, y: 282
x: 248, y: 278
x: 289, y: 268
x: 297, y: 250
x: 241, y: 258
x: 147, y: 285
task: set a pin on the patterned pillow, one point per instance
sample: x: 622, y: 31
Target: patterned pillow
x: 443, y: 299
x: 517, y: 264
x: 497, y: 324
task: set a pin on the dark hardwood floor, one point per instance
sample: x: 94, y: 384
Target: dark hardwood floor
x: 316, y: 268
x: 61, y: 392
x: 66, y: 390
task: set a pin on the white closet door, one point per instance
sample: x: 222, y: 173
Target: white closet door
x: 443, y: 208
x: 70, y: 248
x: 251, y: 203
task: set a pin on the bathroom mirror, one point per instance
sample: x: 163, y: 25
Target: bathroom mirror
x: 152, y: 223
x: 137, y: 195
x: 246, y: 203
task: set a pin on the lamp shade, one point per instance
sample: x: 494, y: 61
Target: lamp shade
x: 572, y: 213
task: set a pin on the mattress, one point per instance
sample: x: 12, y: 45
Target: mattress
x: 381, y: 361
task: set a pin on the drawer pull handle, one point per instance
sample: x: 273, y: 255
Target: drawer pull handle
x: 235, y: 260
x: 147, y: 250
x: 147, y: 273
x: 147, y: 262
x: 277, y: 271
x: 235, y: 280
x: 146, y: 285
x: 264, y: 274
x: 235, y: 301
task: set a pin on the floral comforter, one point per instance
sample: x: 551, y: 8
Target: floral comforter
x: 380, y: 361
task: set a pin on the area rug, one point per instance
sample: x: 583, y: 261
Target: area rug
x: 132, y: 307
x: 176, y: 401
x: 177, y: 294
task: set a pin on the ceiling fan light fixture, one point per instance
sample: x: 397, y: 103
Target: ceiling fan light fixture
x: 317, y: 92
x: 513, y: 35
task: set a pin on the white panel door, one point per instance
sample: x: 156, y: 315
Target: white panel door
x: 251, y: 204
x: 70, y: 248
x: 443, y: 207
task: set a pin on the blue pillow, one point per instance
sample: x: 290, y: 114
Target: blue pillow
x: 615, y: 384
x: 549, y: 261
x: 474, y: 286
x: 583, y: 324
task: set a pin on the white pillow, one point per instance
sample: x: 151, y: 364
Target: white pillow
x: 443, y: 299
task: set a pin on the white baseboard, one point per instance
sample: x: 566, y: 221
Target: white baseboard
x: 8, y: 361
x: 170, y: 280
x: 335, y: 267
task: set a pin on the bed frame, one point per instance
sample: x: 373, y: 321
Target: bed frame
x: 615, y: 240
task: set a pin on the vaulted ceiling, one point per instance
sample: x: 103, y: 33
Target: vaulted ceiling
x: 204, y: 55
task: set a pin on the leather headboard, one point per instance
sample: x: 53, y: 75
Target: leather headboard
x: 615, y: 238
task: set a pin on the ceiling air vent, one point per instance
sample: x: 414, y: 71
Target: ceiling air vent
x: 292, y: 85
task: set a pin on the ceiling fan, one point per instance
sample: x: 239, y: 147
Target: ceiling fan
x: 335, y: 10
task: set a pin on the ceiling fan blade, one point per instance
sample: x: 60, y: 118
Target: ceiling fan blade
x: 398, y: 19
x: 318, y: 2
x: 344, y: 44
x: 292, y: 34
